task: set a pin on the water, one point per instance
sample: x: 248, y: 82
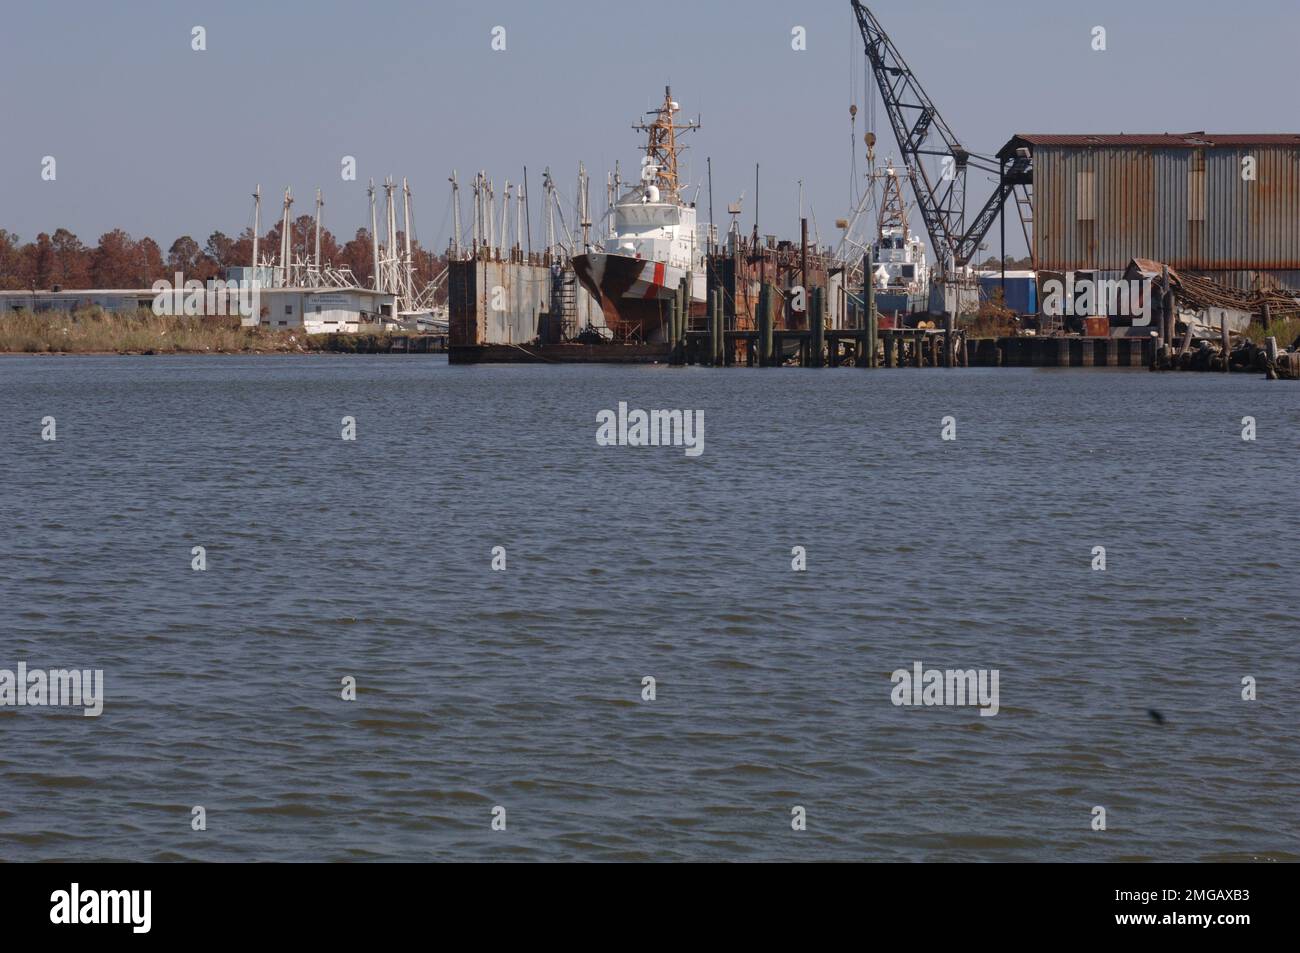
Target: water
x: 371, y: 559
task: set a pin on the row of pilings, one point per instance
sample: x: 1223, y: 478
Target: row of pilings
x: 764, y: 345
x: 816, y: 345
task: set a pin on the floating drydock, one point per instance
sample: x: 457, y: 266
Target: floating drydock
x: 517, y: 310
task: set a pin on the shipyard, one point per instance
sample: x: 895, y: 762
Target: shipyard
x: 1200, y: 230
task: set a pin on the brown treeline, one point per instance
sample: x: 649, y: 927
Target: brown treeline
x: 117, y: 260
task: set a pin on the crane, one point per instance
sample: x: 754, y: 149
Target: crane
x: 923, y: 134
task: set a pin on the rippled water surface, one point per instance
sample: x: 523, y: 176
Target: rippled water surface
x: 371, y: 559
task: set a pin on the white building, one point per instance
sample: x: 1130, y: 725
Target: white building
x: 322, y: 310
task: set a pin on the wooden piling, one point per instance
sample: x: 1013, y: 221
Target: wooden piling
x: 687, y: 284
x: 675, y: 315
x: 819, y: 327
x: 715, y: 330
x: 1166, y: 316
x: 1227, y: 340
x: 865, y: 352
x: 722, y: 328
x: 765, y: 307
x: 873, y: 322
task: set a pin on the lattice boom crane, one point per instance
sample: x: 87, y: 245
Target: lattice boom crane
x: 923, y: 134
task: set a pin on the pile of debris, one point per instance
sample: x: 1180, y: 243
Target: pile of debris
x: 1203, y: 294
x: 1203, y: 323
x: 1206, y: 302
x: 1204, y: 354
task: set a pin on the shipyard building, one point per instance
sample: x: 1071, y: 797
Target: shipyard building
x: 1223, y: 206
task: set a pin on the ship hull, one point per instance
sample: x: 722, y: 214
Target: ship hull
x: 899, y: 305
x: 635, y: 294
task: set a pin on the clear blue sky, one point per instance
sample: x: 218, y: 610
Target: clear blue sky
x: 161, y: 140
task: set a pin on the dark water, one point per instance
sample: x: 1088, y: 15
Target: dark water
x: 522, y: 688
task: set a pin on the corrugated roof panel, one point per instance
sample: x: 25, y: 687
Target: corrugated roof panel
x: 1185, y: 140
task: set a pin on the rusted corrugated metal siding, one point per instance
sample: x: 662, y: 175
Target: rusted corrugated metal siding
x: 496, y: 302
x: 1148, y: 202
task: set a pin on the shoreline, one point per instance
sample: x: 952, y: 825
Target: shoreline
x: 145, y: 334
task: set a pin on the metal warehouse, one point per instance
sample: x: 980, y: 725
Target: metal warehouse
x: 1226, y: 206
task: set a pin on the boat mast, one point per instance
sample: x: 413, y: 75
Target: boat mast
x: 661, y: 145
x: 374, y: 235
x: 284, y: 238
x: 477, y: 238
x: 528, y: 220
x: 584, y: 216
x: 257, y: 224
x: 892, y: 211
x: 320, y: 203
x: 505, y: 217
x: 548, y: 190
x: 406, y: 233
x: 520, y: 213
x: 455, y: 215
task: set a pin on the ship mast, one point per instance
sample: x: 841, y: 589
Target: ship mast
x: 892, y: 211
x: 661, y: 145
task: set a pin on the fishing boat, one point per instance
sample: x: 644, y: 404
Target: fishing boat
x: 900, y: 271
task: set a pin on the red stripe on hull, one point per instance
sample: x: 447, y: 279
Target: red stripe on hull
x: 656, y: 282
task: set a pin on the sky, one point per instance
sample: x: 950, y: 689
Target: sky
x: 156, y: 138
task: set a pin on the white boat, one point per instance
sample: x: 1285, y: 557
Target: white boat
x: 653, y: 244
x: 900, y: 270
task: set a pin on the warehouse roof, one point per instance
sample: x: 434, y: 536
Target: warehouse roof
x: 1167, y: 140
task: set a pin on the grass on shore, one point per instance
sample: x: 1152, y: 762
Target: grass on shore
x: 101, y: 332
x: 1286, y: 332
